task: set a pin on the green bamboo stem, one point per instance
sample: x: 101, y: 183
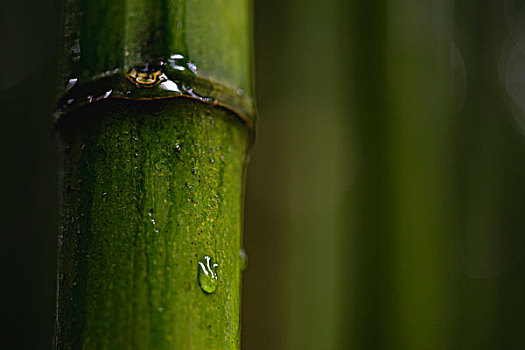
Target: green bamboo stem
x: 150, y: 248
x: 401, y: 207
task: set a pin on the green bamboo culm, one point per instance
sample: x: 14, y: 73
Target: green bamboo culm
x: 154, y: 121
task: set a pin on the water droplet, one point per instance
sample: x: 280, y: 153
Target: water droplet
x: 71, y: 83
x: 179, y: 63
x: 174, y: 62
x: 192, y: 67
x: 75, y: 51
x: 243, y: 259
x: 207, y: 275
x: 170, y: 85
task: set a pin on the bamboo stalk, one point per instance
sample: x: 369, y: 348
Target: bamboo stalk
x: 153, y: 128
x: 401, y: 217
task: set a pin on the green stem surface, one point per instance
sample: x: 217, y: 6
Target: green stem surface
x: 149, y: 189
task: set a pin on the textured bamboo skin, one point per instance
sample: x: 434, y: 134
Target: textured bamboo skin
x: 148, y: 190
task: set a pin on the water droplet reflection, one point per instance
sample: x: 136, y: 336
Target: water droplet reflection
x: 71, y: 83
x: 170, y: 85
x: 207, y: 276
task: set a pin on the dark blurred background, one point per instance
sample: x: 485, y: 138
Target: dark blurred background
x: 386, y: 193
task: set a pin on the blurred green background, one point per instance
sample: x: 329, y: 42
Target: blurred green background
x: 385, y: 200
